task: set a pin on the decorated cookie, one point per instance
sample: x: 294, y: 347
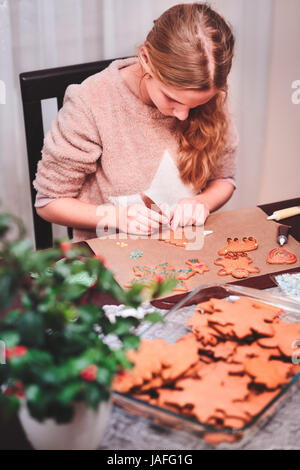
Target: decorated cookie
x: 236, y: 264
x: 197, y: 266
x: 235, y: 246
x: 174, y: 238
x: 136, y: 254
x: 281, y: 256
x: 146, y: 274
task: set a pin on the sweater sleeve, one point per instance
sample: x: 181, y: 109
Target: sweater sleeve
x: 227, y: 163
x: 70, y: 151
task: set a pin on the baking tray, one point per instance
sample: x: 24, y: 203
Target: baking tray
x: 174, y: 327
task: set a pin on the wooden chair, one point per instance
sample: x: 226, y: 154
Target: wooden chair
x: 35, y: 87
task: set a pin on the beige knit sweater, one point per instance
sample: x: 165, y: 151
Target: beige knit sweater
x: 106, y: 143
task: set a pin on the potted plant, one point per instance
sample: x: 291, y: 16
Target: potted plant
x: 58, y: 366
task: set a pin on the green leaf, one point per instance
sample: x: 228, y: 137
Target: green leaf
x: 36, y: 401
x: 104, y: 376
x: 60, y: 412
x: 89, y: 313
x: 9, y: 405
x: 123, y: 326
x: 120, y: 356
x: 5, y: 223
x: 154, y: 317
x: 54, y: 375
x: 31, y: 329
x: 106, y: 280
x: 82, y: 278
x: 68, y: 393
x: 131, y: 342
x: 9, y: 283
x: 133, y: 296
x: 158, y: 289
x: 12, y: 317
x: 94, y: 395
x: 10, y: 338
x: 21, y: 248
x: 73, y: 291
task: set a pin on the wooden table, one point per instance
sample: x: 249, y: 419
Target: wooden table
x: 11, y: 433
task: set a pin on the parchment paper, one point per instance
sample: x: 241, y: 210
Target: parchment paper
x: 239, y: 223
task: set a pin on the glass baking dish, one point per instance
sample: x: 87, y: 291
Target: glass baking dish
x: 173, y: 328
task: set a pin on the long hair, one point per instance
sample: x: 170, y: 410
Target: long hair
x: 191, y: 46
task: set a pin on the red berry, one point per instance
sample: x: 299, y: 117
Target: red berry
x: 102, y: 260
x: 65, y: 246
x: 19, y: 350
x: 8, y: 352
x: 159, y: 278
x: 89, y: 373
x: 15, y: 351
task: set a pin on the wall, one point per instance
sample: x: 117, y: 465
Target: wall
x: 280, y: 176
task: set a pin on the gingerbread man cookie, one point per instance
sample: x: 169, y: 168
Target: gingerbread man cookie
x: 235, y: 246
x: 236, y: 264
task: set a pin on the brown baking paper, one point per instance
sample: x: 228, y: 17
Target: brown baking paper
x: 239, y: 223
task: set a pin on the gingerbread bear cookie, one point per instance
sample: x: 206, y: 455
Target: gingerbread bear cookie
x: 236, y: 264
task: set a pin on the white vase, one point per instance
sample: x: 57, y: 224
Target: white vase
x: 84, y: 432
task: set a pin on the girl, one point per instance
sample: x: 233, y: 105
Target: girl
x: 158, y: 123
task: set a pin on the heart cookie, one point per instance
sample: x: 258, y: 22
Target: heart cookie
x: 281, y: 256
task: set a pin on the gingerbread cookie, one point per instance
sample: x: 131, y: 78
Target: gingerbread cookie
x: 147, y: 274
x: 223, y: 373
x: 174, y: 238
x: 281, y: 256
x: 235, y: 246
x: 285, y: 335
x: 197, y: 266
x: 267, y: 373
x: 236, y: 264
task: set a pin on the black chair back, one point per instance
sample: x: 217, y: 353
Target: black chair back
x: 35, y: 87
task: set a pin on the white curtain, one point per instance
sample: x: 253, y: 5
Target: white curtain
x: 38, y: 34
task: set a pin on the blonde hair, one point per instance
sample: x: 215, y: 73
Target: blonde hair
x: 191, y: 46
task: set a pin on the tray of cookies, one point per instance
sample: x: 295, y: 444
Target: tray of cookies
x: 222, y: 362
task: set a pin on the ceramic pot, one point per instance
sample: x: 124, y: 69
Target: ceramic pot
x: 84, y: 432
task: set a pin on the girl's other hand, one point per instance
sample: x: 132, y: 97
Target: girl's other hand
x: 189, y: 211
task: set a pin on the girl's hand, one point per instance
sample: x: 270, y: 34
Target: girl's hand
x: 189, y: 211
x: 137, y: 219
